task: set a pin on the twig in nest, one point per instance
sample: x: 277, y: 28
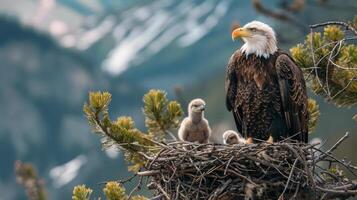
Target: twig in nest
x: 333, y: 147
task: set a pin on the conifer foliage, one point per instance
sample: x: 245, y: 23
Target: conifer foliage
x: 115, y: 191
x: 161, y: 116
x: 328, y: 58
x: 121, y: 132
x: 26, y: 175
x: 314, y: 114
x: 112, y: 191
x: 81, y: 192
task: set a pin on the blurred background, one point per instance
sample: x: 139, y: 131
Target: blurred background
x: 53, y: 52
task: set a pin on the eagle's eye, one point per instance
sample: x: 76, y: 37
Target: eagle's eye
x: 252, y: 29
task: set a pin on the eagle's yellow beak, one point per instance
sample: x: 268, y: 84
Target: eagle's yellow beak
x: 240, y: 32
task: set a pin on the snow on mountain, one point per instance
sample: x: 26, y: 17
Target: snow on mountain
x: 137, y: 33
x: 63, y: 174
x: 155, y: 26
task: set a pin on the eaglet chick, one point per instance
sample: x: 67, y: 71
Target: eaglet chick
x: 232, y: 137
x: 195, y: 127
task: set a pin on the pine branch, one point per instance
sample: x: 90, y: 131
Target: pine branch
x: 328, y: 59
x: 81, y: 192
x: 121, y: 132
x: 161, y: 115
x: 112, y: 191
x: 314, y: 114
x: 26, y: 175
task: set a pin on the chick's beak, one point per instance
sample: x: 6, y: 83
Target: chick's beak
x: 239, y: 33
x: 202, y: 108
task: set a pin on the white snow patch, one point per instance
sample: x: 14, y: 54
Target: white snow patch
x: 141, y: 32
x: 63, y: 174
x: 197, y: 31
x: 90, y: 37
x: 68, y: 41
x: 93, y: 5
x: 127, y: 50
x: 42, y: 11
x: 58, y: 28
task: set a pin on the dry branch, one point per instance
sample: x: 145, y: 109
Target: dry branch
x: 26, y: 176
x: 344, y: 24
x: 280, y: 15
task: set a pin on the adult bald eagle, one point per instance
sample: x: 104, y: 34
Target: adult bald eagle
x: 265, y: 89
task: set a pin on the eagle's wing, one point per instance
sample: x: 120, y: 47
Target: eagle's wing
x: 294, y: 98
x: 231, y: 84
x: 231, y: 91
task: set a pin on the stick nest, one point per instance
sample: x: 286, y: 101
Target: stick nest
x: 284, y: 170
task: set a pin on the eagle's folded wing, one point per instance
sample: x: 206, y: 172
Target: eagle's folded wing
x: 231, y: 91
x: 231, y: 84
x: 293, y: 96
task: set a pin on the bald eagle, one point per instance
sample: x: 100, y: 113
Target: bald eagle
x: 265, y: 89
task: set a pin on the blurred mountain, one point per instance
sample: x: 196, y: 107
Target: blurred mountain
x: 53, y: 52
x: 43, y: 87
x: 116, y: 38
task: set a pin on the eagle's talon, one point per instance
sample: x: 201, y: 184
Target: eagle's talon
x: 270, y: 140
x: 250, y: 140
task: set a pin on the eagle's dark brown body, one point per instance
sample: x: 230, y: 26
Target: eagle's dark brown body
x: 267, y: 96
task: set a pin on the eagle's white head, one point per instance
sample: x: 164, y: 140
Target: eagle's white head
x: 259, y: 39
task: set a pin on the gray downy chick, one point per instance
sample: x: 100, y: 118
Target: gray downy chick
x: 232, y: 137
x: 195, y: 127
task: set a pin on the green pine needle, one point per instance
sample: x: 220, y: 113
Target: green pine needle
x: 81, y: 192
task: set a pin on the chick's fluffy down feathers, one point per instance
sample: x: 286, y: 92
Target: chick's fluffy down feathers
x: 232, y: 137
x: 194, y: 132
